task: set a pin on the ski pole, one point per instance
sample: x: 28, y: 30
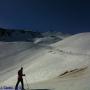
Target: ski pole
x: 27, y: 83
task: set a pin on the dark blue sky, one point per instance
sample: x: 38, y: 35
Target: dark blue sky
x: 69, y: 16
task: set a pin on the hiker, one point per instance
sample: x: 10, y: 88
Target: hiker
x: 20, y: 79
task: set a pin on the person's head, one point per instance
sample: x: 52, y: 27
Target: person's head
x: 21, y: 68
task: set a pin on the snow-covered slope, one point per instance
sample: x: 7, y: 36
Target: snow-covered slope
x: 67, y: 60
x: 79, y: 43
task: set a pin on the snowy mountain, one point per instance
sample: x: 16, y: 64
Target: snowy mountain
x: 18, y: 35
x: 11, y: 35
x: 62, y: 65
x: 78, y: 43
x: 50, y: 37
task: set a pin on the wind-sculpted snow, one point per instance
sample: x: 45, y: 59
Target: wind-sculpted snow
x: 65, y: 58
x: 73, y: 71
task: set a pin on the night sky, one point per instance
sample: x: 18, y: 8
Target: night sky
x: 68, y: 16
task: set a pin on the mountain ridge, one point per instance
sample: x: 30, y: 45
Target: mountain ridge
x: 13, y: 35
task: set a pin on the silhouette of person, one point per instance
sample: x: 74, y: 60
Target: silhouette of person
x: 20, y: 79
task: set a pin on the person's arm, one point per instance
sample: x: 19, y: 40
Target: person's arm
x: 23, y: 74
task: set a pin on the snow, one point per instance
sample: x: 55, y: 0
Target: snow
x: 50, y: 37
x: 45, y: 66
x: 78, y: 43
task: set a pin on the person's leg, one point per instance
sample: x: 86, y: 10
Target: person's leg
x: 17, y: 85
x: 22, y: 84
